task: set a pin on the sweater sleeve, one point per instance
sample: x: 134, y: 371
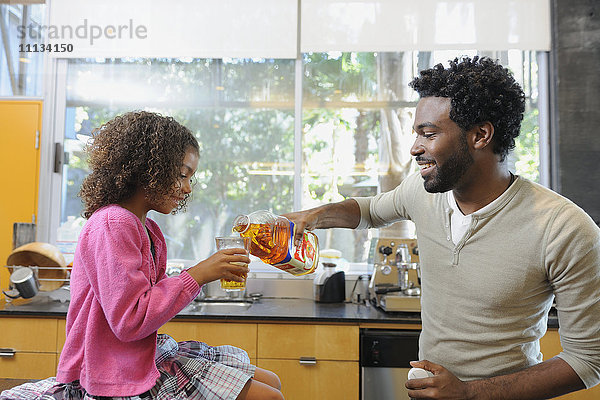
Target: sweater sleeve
x: 118, y: 268
x: 573, y: 265
x: 388, y: 207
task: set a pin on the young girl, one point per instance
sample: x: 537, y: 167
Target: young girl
x: 120, y: 295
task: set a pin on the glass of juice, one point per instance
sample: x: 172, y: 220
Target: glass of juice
x: 232, y: 242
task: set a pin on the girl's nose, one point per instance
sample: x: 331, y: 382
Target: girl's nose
x: 187, y: 186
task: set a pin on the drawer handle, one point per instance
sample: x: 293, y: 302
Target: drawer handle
x: 308, y: 361
x: 7, y: 352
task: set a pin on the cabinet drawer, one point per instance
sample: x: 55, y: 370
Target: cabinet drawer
x: 26, y: 365
x: 324, y: 342
x: 332, y: 380
x: 28, y: 334
x: 215, y: 334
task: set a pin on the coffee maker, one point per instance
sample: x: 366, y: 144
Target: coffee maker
x: 330, y: 284
x: 395, y: 283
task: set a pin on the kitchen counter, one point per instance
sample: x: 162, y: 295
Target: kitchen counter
x: 291, y: 310
x: 306, y: 310
x: 266, y: 309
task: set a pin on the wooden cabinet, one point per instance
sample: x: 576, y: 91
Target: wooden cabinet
x: 61, y: 336
x: 333, y: 380
x: 20, y: 125
x: 550, y: 347
x: 327, y: 342
x: 312, y: 361
x: 28, y: 348
x: 215, y: 333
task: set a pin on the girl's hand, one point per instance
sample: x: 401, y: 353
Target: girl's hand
x: 229, y: 264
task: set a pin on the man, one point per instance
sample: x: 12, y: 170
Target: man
x: 495, y: 248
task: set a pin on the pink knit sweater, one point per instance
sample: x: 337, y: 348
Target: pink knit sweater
x: 119, y: 299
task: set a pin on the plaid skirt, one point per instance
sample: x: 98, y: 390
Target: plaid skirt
x: 188, y: 370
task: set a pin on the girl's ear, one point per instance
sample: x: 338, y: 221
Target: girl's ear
x: 482, y: 135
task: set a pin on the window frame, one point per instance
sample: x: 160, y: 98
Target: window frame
x: 53, y: 129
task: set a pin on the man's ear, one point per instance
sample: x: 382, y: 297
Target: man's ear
x: 482, y: 135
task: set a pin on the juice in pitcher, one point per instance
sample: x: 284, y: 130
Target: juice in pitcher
x: 271, y: 241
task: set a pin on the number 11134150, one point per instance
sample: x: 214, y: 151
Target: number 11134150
x: 49, y: 48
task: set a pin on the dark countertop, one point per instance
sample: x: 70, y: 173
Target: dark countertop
x: 267, y: 309
x: 306, y: 310
x: 288, y: 310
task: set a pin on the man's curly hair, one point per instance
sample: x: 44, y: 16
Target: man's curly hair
x: 480, y: 90
x: 136, y: 150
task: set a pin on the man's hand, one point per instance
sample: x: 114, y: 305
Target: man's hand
x: 303, y: 220
x: 345, y: 214
x: 443, y: 385
x: 545, y: 380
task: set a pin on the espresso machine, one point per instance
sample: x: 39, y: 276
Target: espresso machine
x: 395, y: 283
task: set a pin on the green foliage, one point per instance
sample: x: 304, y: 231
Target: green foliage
x: 242, y: 112
x: 339, y: 76
x: 526, y: 150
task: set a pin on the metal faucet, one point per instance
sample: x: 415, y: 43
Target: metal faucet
x: 202, y: 295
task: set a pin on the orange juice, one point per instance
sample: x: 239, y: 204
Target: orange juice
x: 264, y: 243
x: 272, y: 242
x: 228, y: 285
x: 233, y: 243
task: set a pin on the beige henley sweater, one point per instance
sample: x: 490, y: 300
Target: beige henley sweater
x: 486, y: 299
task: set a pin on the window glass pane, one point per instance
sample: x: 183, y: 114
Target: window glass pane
x: 241, y: 111
x: 357, y: 120
x: 357, y: 127
x: 182, y: 82
x: 21, y: 56
x: 341, y: 160
x: 526, y: 155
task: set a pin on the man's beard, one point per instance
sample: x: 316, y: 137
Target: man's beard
x: 447, y: 176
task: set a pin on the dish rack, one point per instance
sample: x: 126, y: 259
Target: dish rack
x: 60, y: 293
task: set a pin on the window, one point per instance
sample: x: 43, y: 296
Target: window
x: 357, y: 128
x: 241, y: 112
x: 357, y: 112
x: 21, y: 63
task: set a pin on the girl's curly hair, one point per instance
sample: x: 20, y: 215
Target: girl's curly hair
x: 135, y: 150
x: 480, y: 90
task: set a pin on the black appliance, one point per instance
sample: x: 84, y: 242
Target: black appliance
x: 384, y: 362
x: 331, y: 288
